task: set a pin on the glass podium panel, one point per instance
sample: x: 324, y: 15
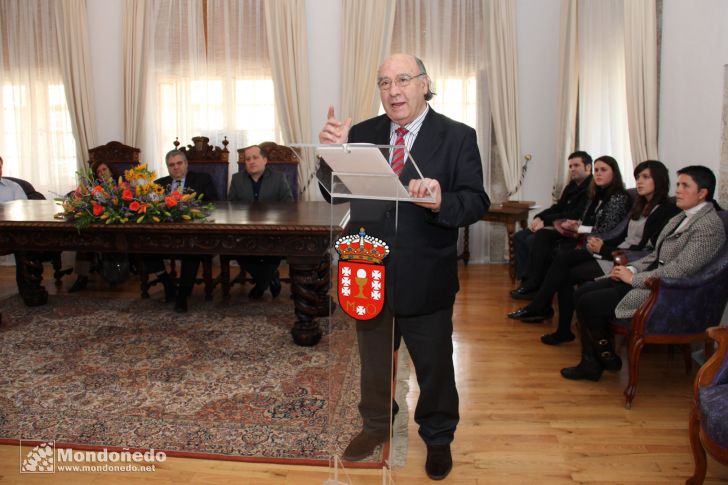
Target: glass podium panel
x: 363, y: 276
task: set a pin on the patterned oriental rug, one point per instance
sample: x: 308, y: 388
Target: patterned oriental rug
x: 221, y: 382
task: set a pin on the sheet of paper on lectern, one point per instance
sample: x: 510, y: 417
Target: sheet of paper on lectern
x: 365, y: 172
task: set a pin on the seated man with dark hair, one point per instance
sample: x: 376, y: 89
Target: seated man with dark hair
x: 569, y: 206
x: 258, y: 183
x: 180, y: 178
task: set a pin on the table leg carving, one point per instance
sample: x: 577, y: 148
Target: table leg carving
x: 29, y: 279
x: 326, y: 305
x: 305, y: 289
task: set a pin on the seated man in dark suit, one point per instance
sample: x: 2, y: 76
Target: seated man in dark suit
x: 179, y: 178
x: 258, y: 183
x: 570, y: 205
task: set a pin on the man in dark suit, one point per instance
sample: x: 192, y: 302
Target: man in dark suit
x: 180, y: 178
x: 422, y: 272
x: 570, y: 205
x: 258, y: 183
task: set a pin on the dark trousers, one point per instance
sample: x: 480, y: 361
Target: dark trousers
x: 595, y: 305
x: 545, y: 243
x: 522, y: 243
x: 429, y: 341
x: 261, y: 268
x: 569, y: 268
x: 188, y: 269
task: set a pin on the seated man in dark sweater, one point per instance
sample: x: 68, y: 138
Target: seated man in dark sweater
x: 569, y: 206
x: 179, y: 178
x: 260, y: 184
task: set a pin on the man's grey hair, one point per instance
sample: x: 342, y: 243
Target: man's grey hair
x: 421, y: 66
x: 174, y: 153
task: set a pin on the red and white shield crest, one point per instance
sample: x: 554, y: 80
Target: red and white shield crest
x: 361, y: 274
x: 361, y: 289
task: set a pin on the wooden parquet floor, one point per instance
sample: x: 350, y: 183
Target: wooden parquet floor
x: 520, y: 421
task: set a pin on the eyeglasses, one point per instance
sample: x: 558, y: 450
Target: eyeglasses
x: 401, y: 81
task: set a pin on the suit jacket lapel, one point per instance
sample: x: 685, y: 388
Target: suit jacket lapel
x: 427, y: 141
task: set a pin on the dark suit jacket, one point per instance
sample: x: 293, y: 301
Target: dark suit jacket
x: 570, y: 205
x: 199, y: 182
x: 274, y: 187
x: 422, y: 268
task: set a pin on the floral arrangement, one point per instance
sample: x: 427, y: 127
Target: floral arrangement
x: 135, y: 198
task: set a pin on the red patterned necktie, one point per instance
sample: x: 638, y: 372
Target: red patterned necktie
x: 398, y: 157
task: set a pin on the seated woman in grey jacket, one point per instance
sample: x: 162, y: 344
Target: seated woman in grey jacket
x: 686, y: 244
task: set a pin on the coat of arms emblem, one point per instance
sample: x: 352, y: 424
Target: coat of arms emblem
x: 361, y: 274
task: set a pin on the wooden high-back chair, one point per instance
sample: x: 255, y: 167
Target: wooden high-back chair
x: 116, y: 155
x: 206, y: 158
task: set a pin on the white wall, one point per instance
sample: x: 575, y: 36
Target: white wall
x: 538, y: 66
x: 694, y: 51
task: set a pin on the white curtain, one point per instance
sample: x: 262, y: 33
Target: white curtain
x: 37, y: 137
x: 568, y: 93
x: 602, y: 91
x: 640, y: 49
x: 288, y: 48
x: 503, y: 88
x: 219, y: 86
x: 367, y: 28
x: 75, y: 60
x: 448, y: 36
x: 137, y: 29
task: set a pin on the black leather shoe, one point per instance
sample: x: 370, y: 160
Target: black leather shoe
x: 275, y: 285
x: 439, y: 461
x: 529, y: 316
x: 524, y: 293
x: 587, y: 369
x: 80, y: 284
x: 363, y: 445
x: 556, y: 339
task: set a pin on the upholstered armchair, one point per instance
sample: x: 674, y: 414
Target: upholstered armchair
x: 709, y: 414
x: 678, y: 311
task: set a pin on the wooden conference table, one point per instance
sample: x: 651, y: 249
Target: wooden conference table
x: 299, y: 232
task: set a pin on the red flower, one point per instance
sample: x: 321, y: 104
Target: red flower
x: 127, y: 195
x: 170, y: 201
x: 97, y: 189
x: 176, y: 195
x: 98, y: 209
x: 134, y: 205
